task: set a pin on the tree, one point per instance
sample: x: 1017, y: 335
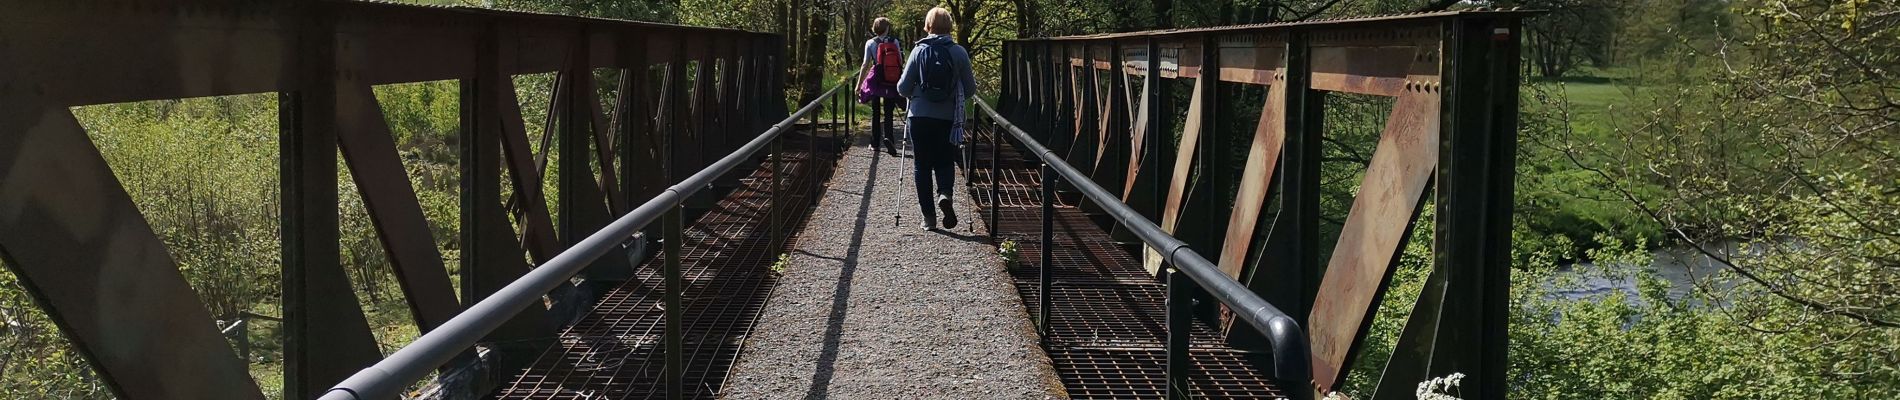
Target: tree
x: 1567, y: 34
x: 1771, y: 147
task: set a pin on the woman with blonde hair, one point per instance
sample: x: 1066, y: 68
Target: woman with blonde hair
x: 883, y: 64
x: 937, y: 79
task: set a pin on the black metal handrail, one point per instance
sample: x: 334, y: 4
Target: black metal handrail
x: 1291, y: 361
x: 388, y: 378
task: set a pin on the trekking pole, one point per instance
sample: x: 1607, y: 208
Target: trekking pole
x: 910, y: 164
x: 897, y: 214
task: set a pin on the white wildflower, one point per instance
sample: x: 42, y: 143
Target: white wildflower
x: 1443, y: 388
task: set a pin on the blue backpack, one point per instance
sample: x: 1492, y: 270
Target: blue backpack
x: 937, y: 80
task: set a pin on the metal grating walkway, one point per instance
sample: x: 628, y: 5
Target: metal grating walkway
x: 1109, y: 323
x: 614, y: 352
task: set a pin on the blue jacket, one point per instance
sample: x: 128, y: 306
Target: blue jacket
x: 913, y: 68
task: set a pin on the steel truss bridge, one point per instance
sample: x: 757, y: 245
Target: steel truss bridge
x: 1159, y: 260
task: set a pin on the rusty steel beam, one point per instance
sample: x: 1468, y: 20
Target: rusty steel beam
x: 370, y: 151
x: 492, y: 254
x: 1178, y: 191
x: 322, y: 57
x: 1365, y: 56
x: 1208, y: 191
x: 213, y: 48
x: 1459, y: 322
x: 78, y: 244
x: 1113, y: 128
x: 1103, y: 108
x: 1252, y: 59
x: 642, y: 161
x: 1138, y: 136
x: 730, y: 129
x: 1283, y: 270
x: 1064, y: 119
x: 537, y: 226
x: 1084, y: 136
x: 675, y: 114
x: 1374, y: 234
x: 584, y: 207
x: 702, y: 138
x: 1255, y: 182
x: 605, y: 150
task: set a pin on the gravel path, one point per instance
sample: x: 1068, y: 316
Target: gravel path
x: 868, y: 310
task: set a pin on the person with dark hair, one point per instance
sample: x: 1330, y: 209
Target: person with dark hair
x: 937, y: 79
x: 883, y: 65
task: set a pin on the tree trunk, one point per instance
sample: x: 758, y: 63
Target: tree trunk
x: 1164, y: 14
x: 1027, y: 22
x: 1227, y: 12
x: 816, y: 28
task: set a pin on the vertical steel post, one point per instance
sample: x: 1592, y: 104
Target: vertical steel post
x: 811, y: 145
x: 996, y: 142
x: 326, y: 336
x: 1200, y: 224
x: 244, y: 339
x: 830, y: 111
x: 1045, y: 94
x: 1180, y: 325
x: 772, y: 202
x: 674, y: 374
x: 1046, y: 277
x: 1158, y: 116
x: 836, y: 103
x: 567, y: 113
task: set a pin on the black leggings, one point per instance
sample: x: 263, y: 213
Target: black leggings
x: 883, y: 121
x: 935, y: 153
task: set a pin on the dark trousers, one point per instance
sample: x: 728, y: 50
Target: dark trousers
x: 883, y: 121
x: 935, y: 153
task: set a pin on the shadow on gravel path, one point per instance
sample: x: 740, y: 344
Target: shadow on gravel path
x: 834, y: 325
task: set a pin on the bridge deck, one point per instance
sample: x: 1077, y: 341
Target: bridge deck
x: 614, y: 351
x: 874, y: 309
x: 1109, y: 314
x: 869, y: 308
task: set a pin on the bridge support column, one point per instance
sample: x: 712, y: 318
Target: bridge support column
x: 1460, y: 322
x: 326, y: 336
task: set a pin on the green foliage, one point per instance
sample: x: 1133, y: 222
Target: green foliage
x: 203, y: 173
x: 1766, y: 143
x: 753, y: 15
x: 36, y: 360
x: 1584, y: 348
x: 634, y: 10
x: 784, y: 261
x: 1009, y: 251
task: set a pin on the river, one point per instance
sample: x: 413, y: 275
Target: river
x: 1680, y: 266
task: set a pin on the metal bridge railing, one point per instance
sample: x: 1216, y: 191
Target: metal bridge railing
x: 388, y: 378
x: 1291, y: 362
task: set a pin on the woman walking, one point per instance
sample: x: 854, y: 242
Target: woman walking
x: 937, y: 79
x: 883, y: 65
